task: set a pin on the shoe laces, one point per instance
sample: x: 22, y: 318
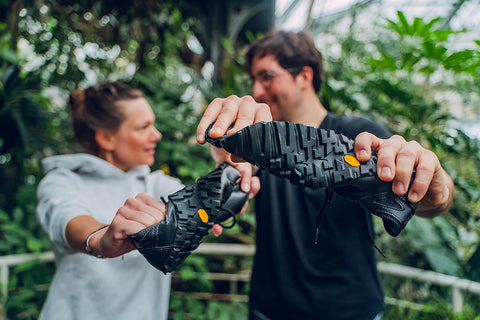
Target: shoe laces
x: 327, y: 200
x: 368, y: 223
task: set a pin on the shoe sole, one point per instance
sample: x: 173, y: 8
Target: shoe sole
x: 191, y: 213
x: 318, y: 158
x: 308, y: 157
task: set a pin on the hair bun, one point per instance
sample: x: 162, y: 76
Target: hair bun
x: 77, y: 100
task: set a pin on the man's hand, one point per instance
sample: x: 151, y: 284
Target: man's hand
x: 249, y: 184
x: 397, y: 159
x: 243, y: 111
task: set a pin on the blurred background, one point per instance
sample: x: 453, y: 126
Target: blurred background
x: 413, y: 66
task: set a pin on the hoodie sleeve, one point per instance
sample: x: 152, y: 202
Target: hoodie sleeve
x: 59, y: 201
x: 161, y: 185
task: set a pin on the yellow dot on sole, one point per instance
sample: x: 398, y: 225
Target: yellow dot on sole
x: 351, y: 160
x: 203, y: 215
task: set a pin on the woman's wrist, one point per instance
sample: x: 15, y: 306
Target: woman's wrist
x: 92, y: 241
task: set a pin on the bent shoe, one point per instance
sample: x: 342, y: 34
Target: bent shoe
x: 318, y: 158
x: 191, y: 213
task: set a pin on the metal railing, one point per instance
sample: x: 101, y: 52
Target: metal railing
x: 458, y: 286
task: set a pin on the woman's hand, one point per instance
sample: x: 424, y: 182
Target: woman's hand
x: 136, y: 214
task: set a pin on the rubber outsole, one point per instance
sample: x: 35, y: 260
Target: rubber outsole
x: 309, y: 157
x: 191, y: 213
x: 317, y: 158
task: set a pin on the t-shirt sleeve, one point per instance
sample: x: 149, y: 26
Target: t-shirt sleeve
x: 351, y: 127
x: 362, y: 125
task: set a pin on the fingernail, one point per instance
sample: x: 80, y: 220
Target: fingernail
x: 200, y: 137
x: 386, y: 172
x: 363, y: 154
x: 400, y: 187
x: 246, y: 187
x: 217, y: 130
x: 413, y: 197
x: 446, y: 193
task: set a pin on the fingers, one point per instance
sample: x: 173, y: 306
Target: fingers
x: 245, y: 170
x: 254, y: 187
x: 224, y: 117
x: 407, y: 158
x: 250, y: 112
x: 148, y: 210
x: 217, y: 229
x: 365, y: 143
x: 219, y: 155
x: 388, y: 157
x: 210, y: 115
x: 243, y: 111
x: 424, y: 173
x: 151, y: 206
x: 397, y: 160
x: 137, y: 214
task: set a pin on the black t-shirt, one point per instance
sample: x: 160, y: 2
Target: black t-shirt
x: 294, y: 278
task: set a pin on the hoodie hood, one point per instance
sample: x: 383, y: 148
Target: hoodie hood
x: 90, y: 165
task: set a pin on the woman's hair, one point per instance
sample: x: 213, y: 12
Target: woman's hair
x: 96, y: 108
x: 293, y: 51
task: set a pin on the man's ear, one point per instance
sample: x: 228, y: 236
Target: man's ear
x: 306, y: 75
x: 105, y: 140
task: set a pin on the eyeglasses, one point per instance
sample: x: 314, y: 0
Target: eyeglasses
x: 265, y: 77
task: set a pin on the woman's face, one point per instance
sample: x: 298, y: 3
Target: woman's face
x: 135, y: 141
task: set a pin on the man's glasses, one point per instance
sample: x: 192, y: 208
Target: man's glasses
x: 265, y: 77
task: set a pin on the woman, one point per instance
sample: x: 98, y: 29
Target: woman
x: 86, y: 206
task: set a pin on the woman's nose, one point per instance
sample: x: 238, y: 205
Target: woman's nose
x: 157, y: 135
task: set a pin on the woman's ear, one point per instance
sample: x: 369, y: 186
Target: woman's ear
x: 105, y: 140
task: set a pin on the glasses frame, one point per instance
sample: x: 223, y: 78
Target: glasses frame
x: 266, y: 77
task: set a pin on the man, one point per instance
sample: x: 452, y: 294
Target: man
x: 336, y: 278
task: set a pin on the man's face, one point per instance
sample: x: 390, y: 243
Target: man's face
x: 275, y: 86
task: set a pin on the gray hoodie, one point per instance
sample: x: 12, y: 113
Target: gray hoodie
x: 85, y: 287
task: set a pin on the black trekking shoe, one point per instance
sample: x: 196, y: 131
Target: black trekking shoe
x: 318, y: 158
x: 191, y: 213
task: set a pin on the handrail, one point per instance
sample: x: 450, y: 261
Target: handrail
x: 459, y: 286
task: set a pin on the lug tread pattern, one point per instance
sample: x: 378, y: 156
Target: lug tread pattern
x: 315, y: 158
x: 307, y: 156
x: 206, y: 194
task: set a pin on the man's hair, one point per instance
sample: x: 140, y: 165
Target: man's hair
x: 293, y: 51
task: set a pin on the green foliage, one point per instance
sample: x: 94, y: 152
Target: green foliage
x: 438, y: 311
x: 186, y: 307
x: 421, y: 300
x: 65, y: 51
x: 178, y: 153
x: 400, y: 79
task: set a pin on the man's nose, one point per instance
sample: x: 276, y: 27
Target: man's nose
x: 258, y: 90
